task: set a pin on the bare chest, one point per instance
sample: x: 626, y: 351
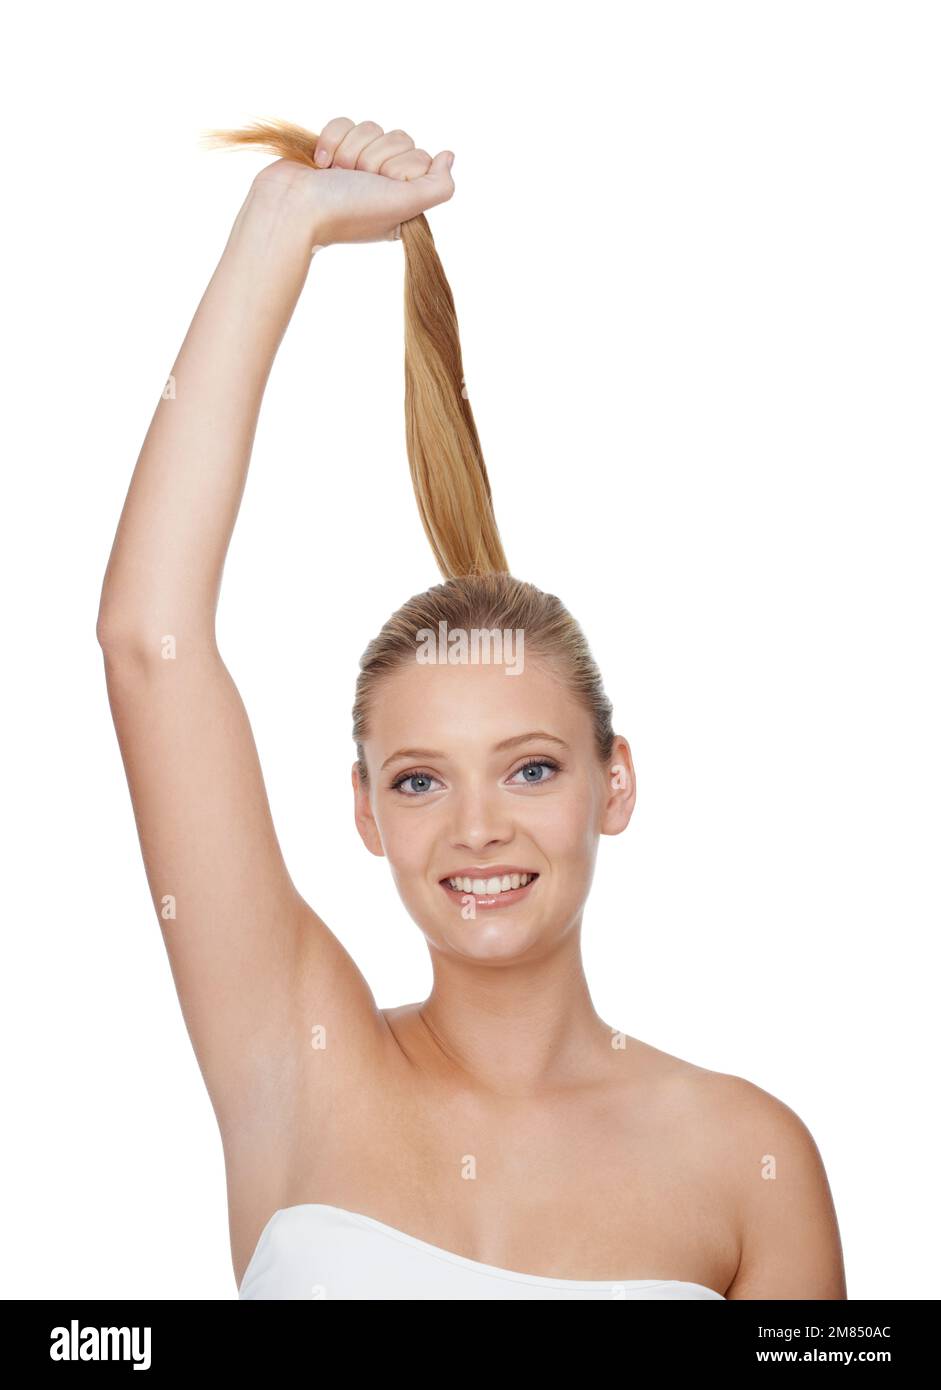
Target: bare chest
x: 567, y: 1191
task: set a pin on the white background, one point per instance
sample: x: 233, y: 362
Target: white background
x: 694, y: 253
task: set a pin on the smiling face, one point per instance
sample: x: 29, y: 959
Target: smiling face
x: 478, y: 776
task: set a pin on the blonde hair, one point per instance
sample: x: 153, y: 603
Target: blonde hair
x: 452, y: 490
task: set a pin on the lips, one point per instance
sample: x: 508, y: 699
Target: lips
x: 487, y: 898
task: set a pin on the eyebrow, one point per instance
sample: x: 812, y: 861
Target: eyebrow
x: 497, y: 747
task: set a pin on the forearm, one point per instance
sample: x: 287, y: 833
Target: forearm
x: 166, y: 564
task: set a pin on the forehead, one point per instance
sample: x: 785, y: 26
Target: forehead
x: 472, y: 706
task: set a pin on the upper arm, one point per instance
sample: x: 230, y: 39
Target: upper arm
x: 250, y: 959
x: 790, y: 1240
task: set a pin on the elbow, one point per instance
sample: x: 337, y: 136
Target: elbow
x: 121, y: 635
x: 116, y: 633
x: 109, y: 629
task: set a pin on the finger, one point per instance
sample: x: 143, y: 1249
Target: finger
x: 426, y: 191
x: 388, y: 146
x: 410, y: 165
x: 437, y: 186
x: 354, y: 142
x: 330, y: 137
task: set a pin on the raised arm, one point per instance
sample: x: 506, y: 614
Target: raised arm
x: 254, y: 966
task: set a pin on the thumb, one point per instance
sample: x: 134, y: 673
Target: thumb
x: 435, y: 185
x: 441, y: 164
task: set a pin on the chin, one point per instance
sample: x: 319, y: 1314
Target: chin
x: 486, y: 944
x: 499, y: 936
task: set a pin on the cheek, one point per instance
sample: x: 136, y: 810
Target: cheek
x: 565, y: 827
x: 407, y: 844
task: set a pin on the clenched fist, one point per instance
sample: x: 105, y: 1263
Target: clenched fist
x: 367, y: 183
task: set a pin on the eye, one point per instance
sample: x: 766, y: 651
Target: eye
x: 404, y: 778
x: 534, y: 766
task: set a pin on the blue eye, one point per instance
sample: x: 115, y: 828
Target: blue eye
x: 401, y: 782
x: 537, y: 765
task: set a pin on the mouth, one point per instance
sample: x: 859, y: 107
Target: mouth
x: 495, y: 889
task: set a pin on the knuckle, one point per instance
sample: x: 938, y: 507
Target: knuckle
x: 336, y: 128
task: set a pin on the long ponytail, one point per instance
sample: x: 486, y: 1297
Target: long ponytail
x: 444, y: 455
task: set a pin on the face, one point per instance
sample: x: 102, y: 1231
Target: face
x: 478, y: 776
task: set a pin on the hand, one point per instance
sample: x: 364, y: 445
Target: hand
x: 370, y: 182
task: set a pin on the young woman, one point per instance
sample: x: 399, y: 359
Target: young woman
x: 498, y: 1140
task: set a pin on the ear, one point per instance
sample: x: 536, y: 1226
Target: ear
x: 622, y: 789
x: 362, y: 814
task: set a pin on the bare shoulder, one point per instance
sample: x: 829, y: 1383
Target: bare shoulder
x: 775, y: 1174
x: 759, y: 1132
x: 728, y: 1103
x: 762, y: 1163
x: 713, y: 1118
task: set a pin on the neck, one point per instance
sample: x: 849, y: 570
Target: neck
x: 517, y: 1030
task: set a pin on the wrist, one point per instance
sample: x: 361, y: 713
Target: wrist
x: 284, y: 211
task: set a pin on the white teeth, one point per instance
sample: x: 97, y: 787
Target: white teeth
x: 490, y: 886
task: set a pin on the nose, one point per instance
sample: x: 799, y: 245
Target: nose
x: 481, y: 820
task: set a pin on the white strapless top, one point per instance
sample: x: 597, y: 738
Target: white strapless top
x: 317, y: 1251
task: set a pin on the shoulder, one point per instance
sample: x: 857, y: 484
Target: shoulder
x: 764, y: 1170
x: 756, y: 1124
x: 760, y: 1142
x: 774, y: 1171
x: 765, y: 1140
x: 732, y: 1101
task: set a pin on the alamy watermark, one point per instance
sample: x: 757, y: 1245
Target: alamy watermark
x: 479, y: 646
x: 78, y: 1343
